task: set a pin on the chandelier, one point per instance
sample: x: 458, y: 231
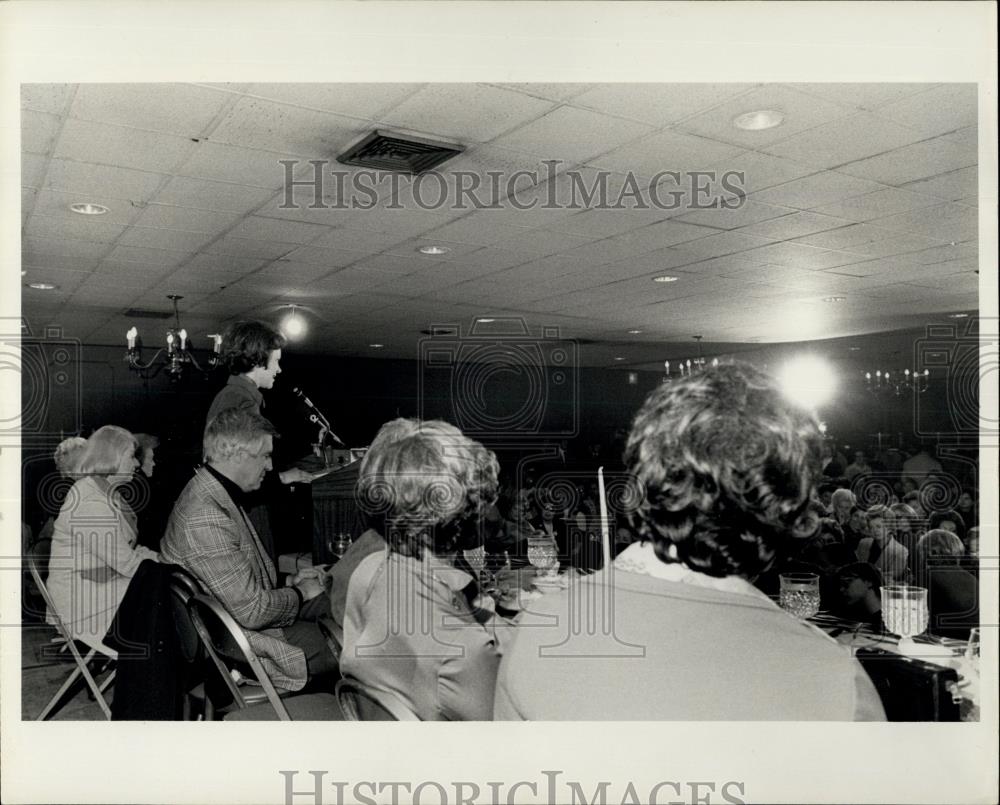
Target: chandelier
x: 689, y: 366
x: 897, y: 383
x: 178, y: 359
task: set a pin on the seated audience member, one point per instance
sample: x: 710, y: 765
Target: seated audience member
x: 949, y: 520
x: 952, y: 592
x: 66, y: 456
x: 94, y: 551
x: 856, y: 528
x: 912, y: 499
x: 727, y: 466
x: 966, y: 507
x: 832, y: 467
x: 881, y: 549
x: 410, y: 629
x: 842, y: 503
x: 825, y: 493
x: 151, y: 513
x: 859, y: 594
x: 918, y: 466
x: 972, y: 543
x: 906, y: 526
x: 857, y: 467
x: 372, y: 540
x: 210, y: 535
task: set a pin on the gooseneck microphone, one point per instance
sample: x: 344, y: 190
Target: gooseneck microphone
x: 316, y: 417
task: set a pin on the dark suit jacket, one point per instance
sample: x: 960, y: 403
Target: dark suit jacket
x: 953, y: 601
x: 239, y: 392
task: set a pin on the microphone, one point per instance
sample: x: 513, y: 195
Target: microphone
x: 317, y: 416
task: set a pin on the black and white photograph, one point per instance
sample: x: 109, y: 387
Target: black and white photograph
x: 602, y: 402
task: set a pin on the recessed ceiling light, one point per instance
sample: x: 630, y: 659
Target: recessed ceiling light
x: 665, y: 279
x: 834, y: 298
x: 86, y: 208
x: 759, y: 120
x: 42, y: 286
x: 376, y: 346
x: 435, y: 250
x: 486, y: 321
x: 958, y: 315
x: 619, y: 358
x: 634, y: 332
x: 23, y: 272
x: 855, y: 349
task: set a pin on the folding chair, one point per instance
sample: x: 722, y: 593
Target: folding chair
x: 229, y: 650
x: 35, y: 557
x: 361, y: 703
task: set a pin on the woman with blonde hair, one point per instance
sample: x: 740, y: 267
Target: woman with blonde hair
x: 94, y: 552
x: 952, y: 592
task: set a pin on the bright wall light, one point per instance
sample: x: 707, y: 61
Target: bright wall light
x: 293, y: 326
x: 808, y: 381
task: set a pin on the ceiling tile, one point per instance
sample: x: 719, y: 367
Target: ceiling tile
x: 183, y: 191
x: 32, y: 257
x: 862, y: 96
x: 264, y: 125
x: 749, y: 212
x: 722, y: 244
x: 51, y: 98
x: 937, y: 111
x: 171, y: 239
x: 879, y: 204
x: 601, y: 223
x: 354, y: 100
x: 816, y: 190
x: 147, y: 256
x: 801, y: 112
x: 227, y: 163
x: 256, y: 227
x: 408, y: 250
x: 940, y: 254
x: 751, y: 171
x: 161, y: 216
x: 78, y: 227
x: 478, y: 228
x: 244, y: 247
x: 55, y: 204
x: 949, y: 186
x: 950, y: 222
x: 38, y: 131
x: 913, y: 162
x: 657, y: 104
x: 464, y: 113
x: 792, y: 226
x: 554, y: 92
x: 32, y: 170
x: 182, y: 109
x: 93, y: 182
x: 84, y: 141
x: 574, y: 135
x: 334, y: 258
x: 65, y: 281
x: 224, y: 264
x: 842, y: 141
x: 358, y: 240
x: 666, y: 151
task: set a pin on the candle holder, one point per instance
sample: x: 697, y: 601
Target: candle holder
x: 176, y: 358
x: 895, y: 383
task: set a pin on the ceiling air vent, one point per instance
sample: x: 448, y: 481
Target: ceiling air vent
x: 398, y: 153
x: 137, y: 313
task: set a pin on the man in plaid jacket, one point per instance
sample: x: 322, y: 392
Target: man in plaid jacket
x: 210, y: 535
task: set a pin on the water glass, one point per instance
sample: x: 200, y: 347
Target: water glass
x: 543, y: 554
x: 904, y: 612
x: 799, y: 594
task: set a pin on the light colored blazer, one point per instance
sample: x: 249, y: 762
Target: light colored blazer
x: 676, y: 652
x: 94, y: 556
x: 891, y: 563
x: 409, y: 631
x: 209, y: 536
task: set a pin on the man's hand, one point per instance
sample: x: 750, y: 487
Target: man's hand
x: 309, y: 587
x: 295, y: 476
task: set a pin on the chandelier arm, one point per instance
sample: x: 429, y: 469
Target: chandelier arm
x: 136, y: 364
x: 194, y: 361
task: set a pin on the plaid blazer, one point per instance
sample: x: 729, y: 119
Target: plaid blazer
x: 209, y: 536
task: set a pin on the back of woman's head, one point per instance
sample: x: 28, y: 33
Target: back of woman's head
x: 428, y: 488
x: 725, y: 466
x: 937, y: 547
x: 105, y: 450
x: 67, y: 455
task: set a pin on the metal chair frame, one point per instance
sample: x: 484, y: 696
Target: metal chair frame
x: 350, y: 691
x: 82, y: 662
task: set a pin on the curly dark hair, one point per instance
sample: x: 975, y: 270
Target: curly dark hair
x: 726, y: 465
x: 429, y: 489
x: 248, y: 344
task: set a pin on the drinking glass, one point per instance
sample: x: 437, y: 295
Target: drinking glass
x: 904, y: 612
x: 799, y: 594
x: 543, y: 555
x: 972, y: 651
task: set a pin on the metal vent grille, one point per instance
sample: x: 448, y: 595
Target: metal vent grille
x: 137, y: 313
x: 398, y: 153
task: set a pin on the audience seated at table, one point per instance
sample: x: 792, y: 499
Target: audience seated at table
x: 727, y: 467
x: 210, y: 535
x: 881, y: 549
x: 409, y: 627
x: 859, y: 594
x: 952, y: 592
x: 94, y: 551
x: 948, y: 520
x: 856, y: 528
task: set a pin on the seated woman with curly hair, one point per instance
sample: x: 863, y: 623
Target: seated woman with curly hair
x: 724, y: 468
x: 410, y: 629
x: 952, y: 591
